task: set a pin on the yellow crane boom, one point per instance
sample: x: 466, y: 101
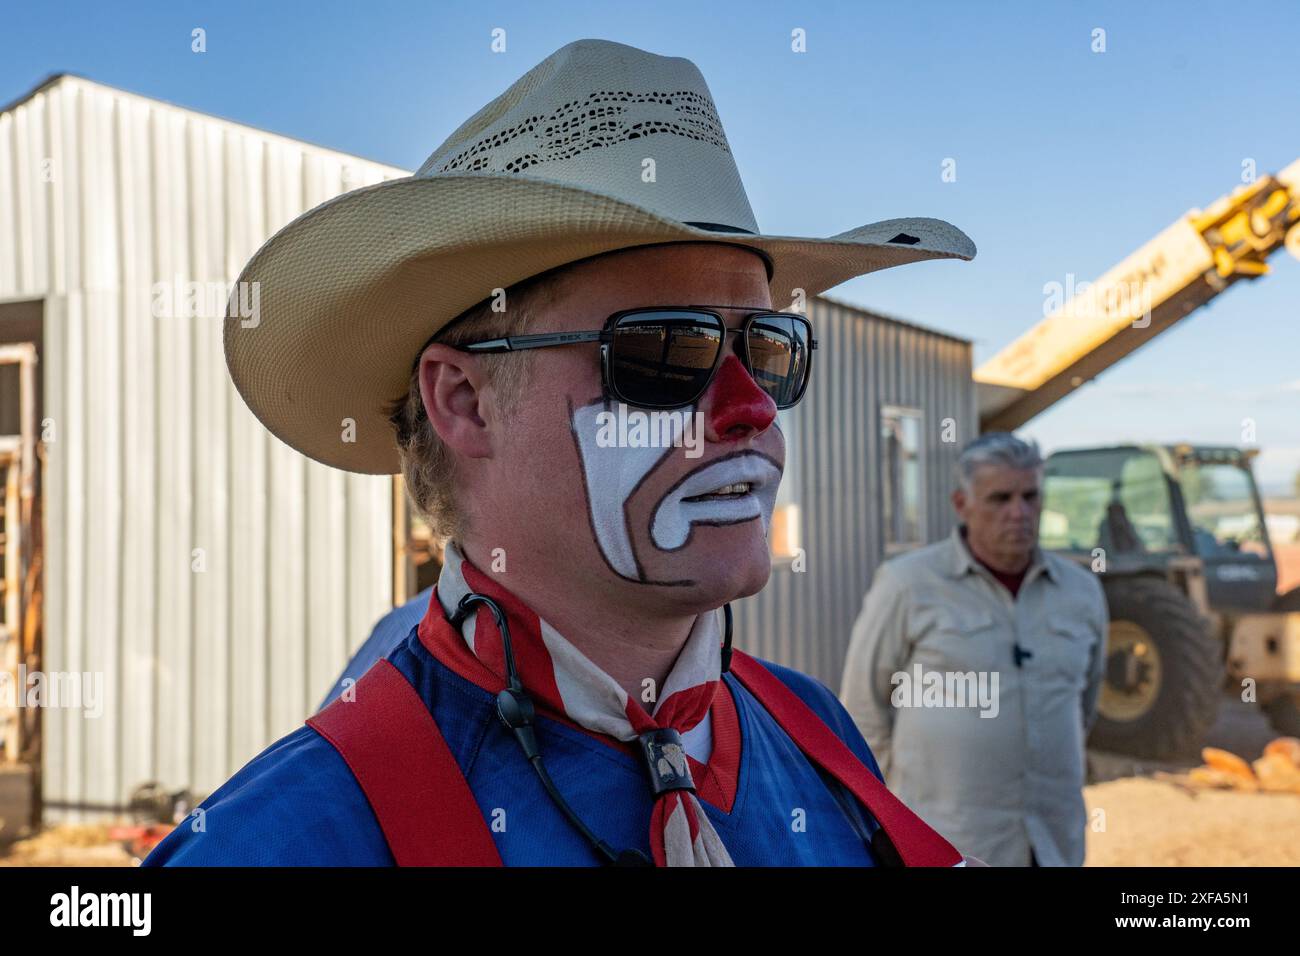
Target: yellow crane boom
x: 1177, y: 272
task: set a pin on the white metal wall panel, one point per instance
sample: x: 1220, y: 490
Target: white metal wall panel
x: 156, y: 464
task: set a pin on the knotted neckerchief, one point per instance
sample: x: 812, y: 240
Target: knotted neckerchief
x: 560, y: 677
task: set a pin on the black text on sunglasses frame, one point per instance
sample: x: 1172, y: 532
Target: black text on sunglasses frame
x: 665, y: 357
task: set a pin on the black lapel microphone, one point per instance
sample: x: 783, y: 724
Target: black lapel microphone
x: 515, y: 710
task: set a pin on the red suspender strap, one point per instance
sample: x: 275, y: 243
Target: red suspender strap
x: 393, y: 747
x: 915, y: 841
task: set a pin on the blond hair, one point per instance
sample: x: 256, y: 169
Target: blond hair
x: 428, y: 465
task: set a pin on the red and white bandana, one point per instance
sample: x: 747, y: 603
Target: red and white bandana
x: 561, y: 678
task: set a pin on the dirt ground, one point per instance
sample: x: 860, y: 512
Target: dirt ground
x: 1151, y: 823
x: 68, y: 845
x: 1143, y: 820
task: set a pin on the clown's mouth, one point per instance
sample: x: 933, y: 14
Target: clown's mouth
x: 730, y: 492
x: 733, y: 490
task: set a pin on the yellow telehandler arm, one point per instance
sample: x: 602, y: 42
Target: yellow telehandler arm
x: 1174, y: 274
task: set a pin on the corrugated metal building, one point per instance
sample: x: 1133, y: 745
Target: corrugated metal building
x: 870, y: 456
x: 219, y: 580
x: 187, y: 553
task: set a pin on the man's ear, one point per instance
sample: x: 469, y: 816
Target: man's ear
x: 959, y: 501
x: 452, y: 386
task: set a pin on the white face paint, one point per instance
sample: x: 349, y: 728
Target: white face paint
x: 613, y: 473
x: 676, y: 513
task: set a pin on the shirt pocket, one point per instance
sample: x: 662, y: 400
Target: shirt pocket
x: 948, y: 638
x: 1067, y: 650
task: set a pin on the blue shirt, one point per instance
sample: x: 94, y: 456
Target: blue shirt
x: 297, y: 803
x: 391, y: 631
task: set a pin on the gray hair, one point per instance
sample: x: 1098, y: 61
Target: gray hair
x: 996, y: 448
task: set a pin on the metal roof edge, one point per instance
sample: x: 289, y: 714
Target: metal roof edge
x: 50, y: 80
x: 55, y: 78
x: 853, y: 307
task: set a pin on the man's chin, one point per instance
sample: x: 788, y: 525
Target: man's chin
x: 729, y: 576
x: 716, y: 564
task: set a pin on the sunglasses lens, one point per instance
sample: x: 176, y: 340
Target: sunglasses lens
x: 664, y: 359
x: 778, y: 352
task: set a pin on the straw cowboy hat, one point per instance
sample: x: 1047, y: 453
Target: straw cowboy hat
x: 550, y: 172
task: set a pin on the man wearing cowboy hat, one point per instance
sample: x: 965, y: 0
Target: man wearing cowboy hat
x: 580, y: 249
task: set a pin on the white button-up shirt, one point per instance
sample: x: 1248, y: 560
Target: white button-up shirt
x: 988, y: 751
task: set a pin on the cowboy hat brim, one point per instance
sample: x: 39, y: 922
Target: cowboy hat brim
x: 349, y: 291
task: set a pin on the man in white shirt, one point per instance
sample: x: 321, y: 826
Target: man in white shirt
x: 975, y: 666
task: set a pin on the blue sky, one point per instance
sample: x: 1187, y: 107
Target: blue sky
x: 1067, y: 160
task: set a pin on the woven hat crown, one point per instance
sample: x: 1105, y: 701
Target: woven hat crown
x: 598, y: 148
x: 615, y: 120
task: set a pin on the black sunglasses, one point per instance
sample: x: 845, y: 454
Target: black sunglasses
x: 666, y: 357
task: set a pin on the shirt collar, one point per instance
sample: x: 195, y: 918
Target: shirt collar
x: 963, y: 562
x: 559, y: 674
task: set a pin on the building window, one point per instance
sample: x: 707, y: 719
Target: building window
x: 901, y: 479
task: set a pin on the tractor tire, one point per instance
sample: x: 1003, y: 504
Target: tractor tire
x: 1284, y: 714
x: 1164, y: 672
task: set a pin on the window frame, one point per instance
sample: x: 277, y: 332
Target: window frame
x: 900, y: 411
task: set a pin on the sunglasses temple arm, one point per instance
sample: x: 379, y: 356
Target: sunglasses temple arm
x: 516, y: 343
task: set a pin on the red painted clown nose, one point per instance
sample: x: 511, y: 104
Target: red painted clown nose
x: 735, y: 404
